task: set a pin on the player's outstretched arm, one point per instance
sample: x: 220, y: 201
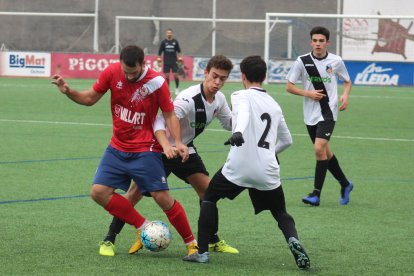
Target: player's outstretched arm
x: 88, y: 97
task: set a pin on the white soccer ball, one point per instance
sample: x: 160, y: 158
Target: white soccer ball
x: 156, y: 236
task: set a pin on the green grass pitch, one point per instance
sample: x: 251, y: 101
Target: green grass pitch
x: 50, y: 148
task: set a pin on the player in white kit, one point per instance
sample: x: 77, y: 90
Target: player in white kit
x: 319, y: 72
x: 259, y: 133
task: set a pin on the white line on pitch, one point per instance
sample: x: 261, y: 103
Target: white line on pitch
x: 208, y: 129
x: 54, y: 122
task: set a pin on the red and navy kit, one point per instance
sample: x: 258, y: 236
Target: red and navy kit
x: 134, y: 107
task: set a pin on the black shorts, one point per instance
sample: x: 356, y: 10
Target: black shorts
x: 220, y: 187
x: 193, y: 165
x: 169, y: 67
x: 322, y: 129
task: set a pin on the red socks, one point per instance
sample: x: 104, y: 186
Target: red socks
x: 121, y: 208
x: 176, y: 215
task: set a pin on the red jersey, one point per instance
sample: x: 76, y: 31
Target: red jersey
x: 134, y: 107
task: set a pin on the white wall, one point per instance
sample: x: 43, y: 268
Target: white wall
x: 360, y: 36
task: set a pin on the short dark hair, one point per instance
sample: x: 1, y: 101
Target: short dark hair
x: 219, y: 62
x: 132, y: 55
x: 254, y: 68
x: 320, y: 30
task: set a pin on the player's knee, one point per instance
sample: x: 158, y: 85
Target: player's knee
x: 133, y: 194
x: 320, y: 153
x: 133, y: 197
x: 281, y: 216
x: 101, y: 194
x: 200, y: 190
x: 163, y: 199
x: 94, y: 194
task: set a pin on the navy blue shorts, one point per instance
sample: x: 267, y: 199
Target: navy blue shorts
x: 117, y: 168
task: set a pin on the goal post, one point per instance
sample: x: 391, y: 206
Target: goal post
x: 213, y: 30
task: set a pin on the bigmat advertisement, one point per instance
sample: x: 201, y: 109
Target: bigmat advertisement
x: 25, y: 64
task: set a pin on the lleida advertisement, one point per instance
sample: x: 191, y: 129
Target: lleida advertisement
x: 25, y: 64
x: 381, y: 73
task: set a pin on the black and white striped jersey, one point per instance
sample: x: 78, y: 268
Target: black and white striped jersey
x: 330, y: 69
x: 195, y: 113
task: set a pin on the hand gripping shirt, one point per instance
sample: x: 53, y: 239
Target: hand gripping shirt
x: 330, y: 68
x: 134, y: 107
x: 195, y: 113
x: 259, y: 118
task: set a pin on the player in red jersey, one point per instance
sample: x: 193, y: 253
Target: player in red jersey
x: 137, y: 93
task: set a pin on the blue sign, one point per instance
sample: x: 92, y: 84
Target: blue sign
x: 380, y: 73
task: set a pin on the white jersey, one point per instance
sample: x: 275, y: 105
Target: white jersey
x: 259, y: 118
x: 195, y: 114
x: 330, y: 68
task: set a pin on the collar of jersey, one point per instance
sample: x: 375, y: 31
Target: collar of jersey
x: 321, y: 57
x: 143, y: 74
x: 203, y: 94
x: 258, y: 89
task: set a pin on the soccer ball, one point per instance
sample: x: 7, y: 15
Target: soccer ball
x: 156, y: 236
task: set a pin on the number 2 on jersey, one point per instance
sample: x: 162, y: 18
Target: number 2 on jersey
x: 262, y: 143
